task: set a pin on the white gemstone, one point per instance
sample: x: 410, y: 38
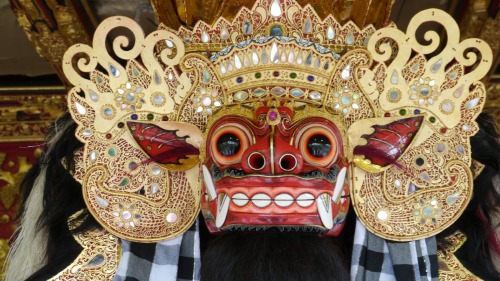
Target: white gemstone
x: 224, y: 34
x: 80, y: 109
x: 240, y: 199
x: 93, y: 156
x: 305, y: 200
x: 435, y: 67
x: 128, y: 85
x: 432, y: 83
x: 309, y: 59
x: 299, y: 58
x: 171, y: 217
x: 466, y: 128
x: 255, y: 58
x: 394, y: 77
x: 154, y: 188
x: 447, y: 107
x: 114, y: 71
x: 458, y: 92
x: 126, y: 215
x: 156, y: 170
x: 158, y: 99
x: 204, y: 37
x: 275, y: 8
x: 229, y: 66
x: 237, y: 62
x: 283, y: 200
x: 246, y: 61
x: 274, y: 53
x: 200, y: 109
x: 93, y: 96
x: 346, y: 73
x: 308, y: 26
x: 261, y: 200
x: 169, y: 43
x: 315, y: 95
x: 103, y: 203
x: 350, y: 38
x: 291, y: 56
x: 397, y: 183
x: 330, y: 33
x: 264, y: 57
x: 206, y: 101
x: 382, y: 215
x: 222, y: 68
x: 217, y: 103
x: 472, y: 103
x: 317, y: 63
x: 87, y: 133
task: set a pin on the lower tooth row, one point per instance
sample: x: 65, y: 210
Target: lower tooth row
x: 262, y: 200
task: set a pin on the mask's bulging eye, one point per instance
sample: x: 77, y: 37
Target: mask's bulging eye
x: 319, y: 146
x: 228, y: 144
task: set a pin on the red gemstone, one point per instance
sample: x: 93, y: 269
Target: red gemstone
x: 273, y: 115
x: 164, y: 118
x: 387, y: 114
x: 443, y: 130
x: 108, y: 136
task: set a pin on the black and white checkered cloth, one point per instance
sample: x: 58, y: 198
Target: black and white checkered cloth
x: 177, y: 259
x: 374, y: 258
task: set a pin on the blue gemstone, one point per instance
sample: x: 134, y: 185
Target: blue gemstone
x: 133, y: 116
x: 276, y: 31
x: 239, y: 79
x: 417, y: 111
x: 310, y: 78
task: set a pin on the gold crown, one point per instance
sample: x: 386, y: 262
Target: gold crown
x: 354, y: 73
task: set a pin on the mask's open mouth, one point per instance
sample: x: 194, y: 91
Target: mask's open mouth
x: 308, y: 202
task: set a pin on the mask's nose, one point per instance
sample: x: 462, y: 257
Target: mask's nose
x: 272, y: 154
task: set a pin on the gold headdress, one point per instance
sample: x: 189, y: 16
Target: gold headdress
x: 278, y: 50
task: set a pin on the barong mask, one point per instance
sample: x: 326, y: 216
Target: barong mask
x: 275, y: 120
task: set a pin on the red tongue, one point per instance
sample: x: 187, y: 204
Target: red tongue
x: 162, y: 146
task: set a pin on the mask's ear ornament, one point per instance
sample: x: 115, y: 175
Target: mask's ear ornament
x: 386, y: 144
x: 139, y: 167
x: 165, y: 146
x: 411, y: 175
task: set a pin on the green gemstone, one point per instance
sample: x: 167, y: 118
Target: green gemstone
x: 402, y: 112
x: 293, y: 75
x: 112, y: 151
x: 432, y: 119
x: 150, y: 116
x: 124, y: 182
x: 258, y: 75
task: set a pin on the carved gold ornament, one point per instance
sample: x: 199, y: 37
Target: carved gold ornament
x: 131, y: 106
x: 99, y: 258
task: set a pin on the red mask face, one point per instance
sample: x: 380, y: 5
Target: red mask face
x: 275, y: 171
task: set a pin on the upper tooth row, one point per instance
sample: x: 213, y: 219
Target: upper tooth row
x: 283, y: 199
